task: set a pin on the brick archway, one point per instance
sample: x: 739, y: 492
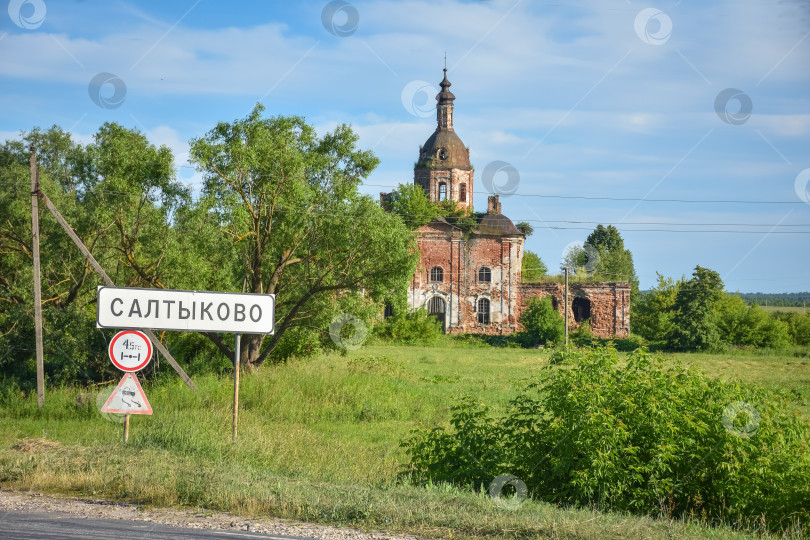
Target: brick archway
x: 581, y: 308
x: 438, y: 308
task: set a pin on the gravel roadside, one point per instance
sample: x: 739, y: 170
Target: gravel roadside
x: 191, y: 519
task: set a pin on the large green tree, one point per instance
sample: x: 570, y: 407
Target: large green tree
x: 532, y: 267
x: 653, y: 311
x: 410, y: 203
x: 615, y: 262
x: 287, y: 201
x: 695, y: 317
x: 119, y: 195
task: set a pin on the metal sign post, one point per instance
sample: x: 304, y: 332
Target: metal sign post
x: 128, y: 398
x: 192, y: 311
x: 236, y: 354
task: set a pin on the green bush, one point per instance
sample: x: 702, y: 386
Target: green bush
x: 644, y: 437
x: 541, y: 322
x: 750, y: 326
x: 798, y: 326
x: 416, y: 327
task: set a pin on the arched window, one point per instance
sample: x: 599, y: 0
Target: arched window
x: 484, y: 275
x: 437, y: 308
x: 436, y: 274
x: 483, y: 311
x: 442, y: 191
x: 389, y: 310
x: 462, y: 193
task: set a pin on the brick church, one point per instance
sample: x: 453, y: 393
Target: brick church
x: 472, y: 282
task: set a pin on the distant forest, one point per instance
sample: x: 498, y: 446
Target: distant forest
x: 799, y: 299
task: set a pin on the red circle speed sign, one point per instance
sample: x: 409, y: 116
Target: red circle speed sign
x: 130, y: 350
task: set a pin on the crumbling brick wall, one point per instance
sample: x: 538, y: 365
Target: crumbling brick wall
x: 608, y: 304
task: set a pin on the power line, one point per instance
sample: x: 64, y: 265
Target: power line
x: 625, y: 199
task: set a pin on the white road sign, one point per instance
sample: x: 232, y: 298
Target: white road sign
x: 196, y: 311
x: 128, y: 398
x: 130, y: 350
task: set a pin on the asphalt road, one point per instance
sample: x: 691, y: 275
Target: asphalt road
x: 22, y: 525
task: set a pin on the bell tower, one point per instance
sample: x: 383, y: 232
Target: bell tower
x: 443, y: 169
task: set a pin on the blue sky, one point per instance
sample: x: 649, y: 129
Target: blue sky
x: 607, y: 100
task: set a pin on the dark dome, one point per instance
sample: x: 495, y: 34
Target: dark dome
x: 497, y: 225
x: 455, y: 153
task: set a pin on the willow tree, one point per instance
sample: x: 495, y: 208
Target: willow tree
x: 287, y: 203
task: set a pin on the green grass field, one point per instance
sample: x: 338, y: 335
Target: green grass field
x: 319, y: 441
x: 785, y: 309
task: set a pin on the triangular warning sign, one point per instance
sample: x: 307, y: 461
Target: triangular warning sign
x: 128, y: 398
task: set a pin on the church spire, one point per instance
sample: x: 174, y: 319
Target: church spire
x: 444, y: 108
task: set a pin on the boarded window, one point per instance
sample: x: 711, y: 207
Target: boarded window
x: 483, y: 311
x: 442, y: 191
x: 462, y: 193
x: 436, y: 274
x: 484, y: 275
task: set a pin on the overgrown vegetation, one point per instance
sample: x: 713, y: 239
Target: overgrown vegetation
x: 542, y: 323
x: 279, y: 212
x: 319, y: 441
x: 641, y: 436
x: 415, y: 327
x: 698, y: 315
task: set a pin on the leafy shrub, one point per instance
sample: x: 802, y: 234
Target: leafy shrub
x: 645, y: 438
x: 411, y: 328
x: 798, y: 326
x: 630, y: 343
x: 542, y: 323
x: 750, y: 326
x: 566, y: 355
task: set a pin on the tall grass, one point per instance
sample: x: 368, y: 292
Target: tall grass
x: 318, y: 440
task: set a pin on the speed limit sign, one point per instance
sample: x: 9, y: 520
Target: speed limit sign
x: 130, y: 350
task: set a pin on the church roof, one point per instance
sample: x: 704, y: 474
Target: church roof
x: 444, y: 149
x: 456, y: 154
x: 497, y: 225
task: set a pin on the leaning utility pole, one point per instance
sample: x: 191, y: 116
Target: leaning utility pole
x: 37, y: 284
x: 97, y: 267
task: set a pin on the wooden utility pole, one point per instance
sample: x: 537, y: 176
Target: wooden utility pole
x: 566, y: 306
x: 37, y: 284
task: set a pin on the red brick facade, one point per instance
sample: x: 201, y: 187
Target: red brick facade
x: 472, y: 282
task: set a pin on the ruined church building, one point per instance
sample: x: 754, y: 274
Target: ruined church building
x: 472, y: 283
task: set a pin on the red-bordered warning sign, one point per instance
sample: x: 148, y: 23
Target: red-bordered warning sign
x: 130, y: 350
x: 128, y: 398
